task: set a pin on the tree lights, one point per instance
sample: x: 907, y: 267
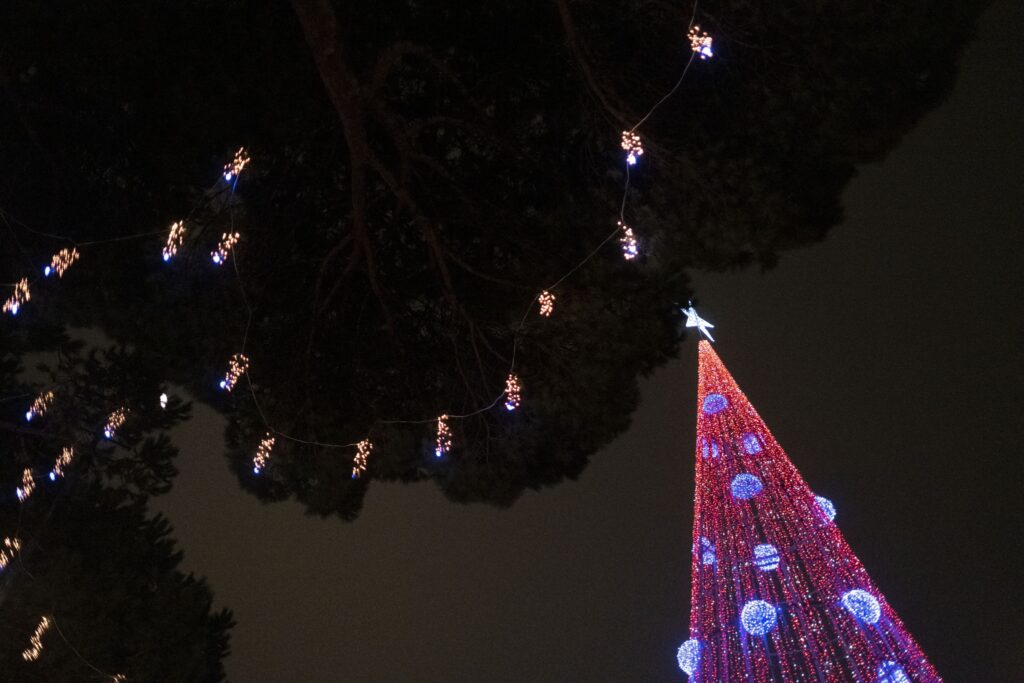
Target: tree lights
x: 28, y: 485
x: 688, y: 656
x: 363, y: 450
x: 114, y: 422
x: 633, y: 146
x: 700, y: 42
x: 18, y: 298
x: 175, y: 238
x: 237, y: 366
x: 39, y: 406
x: 35, y: 648
x: 444, y: 437
x: 238, y: 162
x: 512, y: 389
x: 67, y: 454
x: 785, y: 599
x: 259, y: 461
x: 9, y: 549
x: 547, y: 303
x: 224, y: 247
x: 630, y: 247
x: 60, y: 262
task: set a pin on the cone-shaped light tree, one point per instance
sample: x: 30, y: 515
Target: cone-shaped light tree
x: 777, y: 594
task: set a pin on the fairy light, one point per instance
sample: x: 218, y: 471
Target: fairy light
x: 175, y: 238
x: 114, y: 422
x: 18, y: 298
x: 61, y: 261
x: 547, y: 303
x: 224, y: 247
x: 444, y: 436
x: 63, y: 460
x: 234, y: 169
x: 28, y: 485
x: 700, y: 42
x: 363, y: 450
x: 259, y: 461
x: 9, y: 549
x: 633, y: 146
x: 237, y: 366
x: 39, y: 406
x: 163, y: 401
x: 512, y: 389
x: 630, y: 249
x: 35, y: 647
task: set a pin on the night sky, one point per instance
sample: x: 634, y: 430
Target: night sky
x: 886, y: 361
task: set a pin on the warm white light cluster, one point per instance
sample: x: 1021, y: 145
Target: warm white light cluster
x: 8, y: 551
x: 234, y: 169
x: 512, y: 389
x: 444, y: 436
x: 633, y: 146
x: 163, y: 401
x: 237, y: 366
x: 18, y: 299
x: 363, y: 450
x: 175, y: 238
x: 61, y: 261
x: 700, y: 42
x: 35, y: 648
x: 259, y: 461
x: 224, y: 247
x: 630, y: 248
x: 63, y: 460
x: 39, y: 406
x: 28, y: 485
x: 114, y: 422
x: 547, y: 303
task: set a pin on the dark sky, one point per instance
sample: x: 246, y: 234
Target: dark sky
x: 888, y: 363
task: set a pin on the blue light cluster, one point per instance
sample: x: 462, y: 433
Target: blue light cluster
x: 891, y: 672
x: 709, y: 448
x: 766, y: 557
x: 751, y: 444
x: 707, y: 552
x: 758, y: 617
x: 688, y: 656
x: 715, y: 403
x: 827, y: 508
x: 745, y: 486
x: 862, y: 605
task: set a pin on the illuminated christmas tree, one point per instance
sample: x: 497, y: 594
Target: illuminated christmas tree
x: 777, y: 594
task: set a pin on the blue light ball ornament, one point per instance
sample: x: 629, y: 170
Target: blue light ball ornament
x: 715, y: 403
x: 745, y: 486
x: 758, y: 617
x: 766, y: 557
x: 891, y: 672
x: 688, y: 656
x: 862, y: 605
x: 827, y: 508
x: 752, y: 444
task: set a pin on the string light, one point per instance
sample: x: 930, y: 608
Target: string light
x: 175, y: 238
x: 163, y: 401
x: 60, y: 262
x: 18, y: 298
x: 8, y: 551
x: 512, y: 389
x: 224, y: 247
x: 630, y: 248
x: 114, y: 422
x: 35, y: 648
x: 63, y: 460
x: 633, y: 146
x: 234, y: 169
x: 363, y: 450
x: 237, y: 366
x: 28, y: 485
x: 444, y: 436
x: 259, y: 461
x: 700, y: 42
x: 547, y: 303
x: 39, y: 406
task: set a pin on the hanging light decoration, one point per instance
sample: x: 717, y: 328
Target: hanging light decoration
x: 237, y: 366
x: 444, y: 437
x: 163, y: 401
x: 28, y: 485
x: 60, y: 262
x: 633, y: 146
x: 18, y: 298
x: 700, y: 42
x: 39, y: 406
x: 547, y: 303
x: 175, y: 238
x: 224, y: 247
x: 630, y: 248
x: 512, y: 392
x: 9, y: 549
x: 259, y: 461
x: 363, y: 450
x: 35, y: 647
x: 114, y: 422
x: 234, y: 169
x: 67, y: 454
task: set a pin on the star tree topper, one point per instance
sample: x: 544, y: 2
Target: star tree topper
x: 694, y: 320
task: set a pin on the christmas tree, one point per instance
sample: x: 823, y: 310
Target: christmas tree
x: 777, y: 594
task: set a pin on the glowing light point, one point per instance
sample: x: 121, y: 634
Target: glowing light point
x: 237, y: 366
x: 512, y: 393
x: 175, y: 238
x: 751, y: 444
x: 46, y: 271
x: 363, y: 450
x: 61, y: 261
x: 766, y: 557
x: 758, y: 617
x: 707, y: 551
x: 891, y: 672
x: 35, y: 647
x: 688, y: 656
x: 259, y: 461
x: 224, y: 247
x: 444, y: 437
x: 633, y: 146
x: 694, y: 320
x: 862, y: 605
x: 28, y: 485
x: 39, y: 406
x: 715, y: 403
x: 114, y: 422
x: 826, y: 506
x: 745, y: 486
x: 163, y: 401
x: 701, y: 42
x: 67, y: 454
x: 547, y: 303
x: 20, y: 296
x: 8, y: 550
x: 234, y: 169
x: 630, y: 247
